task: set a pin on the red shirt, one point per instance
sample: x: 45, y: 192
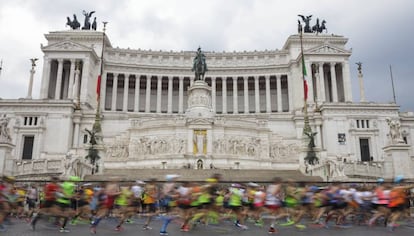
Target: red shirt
x: 50, y: 191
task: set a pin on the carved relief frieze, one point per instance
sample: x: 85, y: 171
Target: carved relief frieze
x: 284, y: 150
x: 238, y: 145
x: 154, y: 145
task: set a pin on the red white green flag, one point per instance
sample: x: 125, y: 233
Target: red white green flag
x: 305, y: 78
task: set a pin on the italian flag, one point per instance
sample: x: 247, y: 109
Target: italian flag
x: 98, y: 86
x: 305, y: 78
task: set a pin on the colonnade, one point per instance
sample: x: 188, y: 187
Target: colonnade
x: 62, y: 78
x: 330, y: 82
x: 168, y: 94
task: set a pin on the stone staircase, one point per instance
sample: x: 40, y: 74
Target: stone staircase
x: 229, y: 175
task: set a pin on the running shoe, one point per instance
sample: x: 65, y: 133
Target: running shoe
x: 300, y: 226
x: 288, y: 223
x: 272, y: 230
x: 243, y: 227
x: 129, y: 221
x: 146, y: 227
x: 163, y: 233
x: 119, y: 228
x: 64, y: 230
x: 259, y: 223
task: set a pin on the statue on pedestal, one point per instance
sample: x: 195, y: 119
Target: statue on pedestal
x: 395, y: 132
x: 199, y: 65
x: 311, y: 157
x: 4, y: 130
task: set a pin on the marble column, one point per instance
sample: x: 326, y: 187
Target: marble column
x: 190, y: 142
x: 159, y: 94
x: 224, y: 94
x: 268, y: 104
x: 279, y: 93
x: 310, y: 82
x: 44, y: 88
x: 333, y: 82
x: 126, y: 88
x: 361, y: 87
x: 59, y: 79
x: 148, y: 95
x: 85, y: 81
x: 290, y: 90
x: 257, y: 94
x: 318, y: 84
x: 322, y: 82
x: 30, y: 88
x: 71, y: 78
x: 137, y: 87
x: 318, y: 136
x: 170, y: 93
x: 114, y: 91
x: 209, y: 142
x: 246, y: 94
x: 347, y: 81
x: 213, y: 93
x: 180, y: 94
x: 76, y: 85
x: 103, y: 90
x: 235, y: 98
x: 75, y: 142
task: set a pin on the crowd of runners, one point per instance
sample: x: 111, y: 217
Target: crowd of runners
x: 279, y: 203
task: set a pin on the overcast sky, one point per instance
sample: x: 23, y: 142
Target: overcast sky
x: 380, y: 33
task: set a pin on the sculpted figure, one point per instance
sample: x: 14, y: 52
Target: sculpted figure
x: 87, y: 23
x: 94, y: 24
x: 4, y: 130
x: 395, y: 132
x: 307, y: 20
x: 199, y: 65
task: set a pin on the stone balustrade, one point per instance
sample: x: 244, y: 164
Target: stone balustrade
x: 370, y: 170
x: 49, y: 167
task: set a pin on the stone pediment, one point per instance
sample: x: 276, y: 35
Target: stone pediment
x: 66, y: 46
x: 200, y: 121
x: 327, y: 49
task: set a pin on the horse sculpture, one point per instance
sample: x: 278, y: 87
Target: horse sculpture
x: 200, y: 65
x: 318, y: 28
x: 73, y: 24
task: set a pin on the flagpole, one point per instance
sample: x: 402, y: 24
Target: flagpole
x: 306, y: 127
x: 97, y: 125
x: 393, y: 89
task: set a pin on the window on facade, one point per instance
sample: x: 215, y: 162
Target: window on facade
x: 362, y: 124
x: 27, y: 147
x: 30, y: 121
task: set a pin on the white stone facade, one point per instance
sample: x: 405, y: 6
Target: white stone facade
x: 250, y: 115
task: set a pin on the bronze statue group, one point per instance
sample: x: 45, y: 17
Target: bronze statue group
x: 279, y: 203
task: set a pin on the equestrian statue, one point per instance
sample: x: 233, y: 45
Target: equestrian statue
x: 199, y: 65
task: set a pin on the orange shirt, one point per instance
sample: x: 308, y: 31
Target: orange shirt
x: 397, y: 197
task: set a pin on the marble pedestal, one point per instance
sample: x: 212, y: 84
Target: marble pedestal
x: 398, y: 161
x: 6, y: 160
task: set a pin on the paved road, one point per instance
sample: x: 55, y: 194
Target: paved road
x: 20, y: 228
